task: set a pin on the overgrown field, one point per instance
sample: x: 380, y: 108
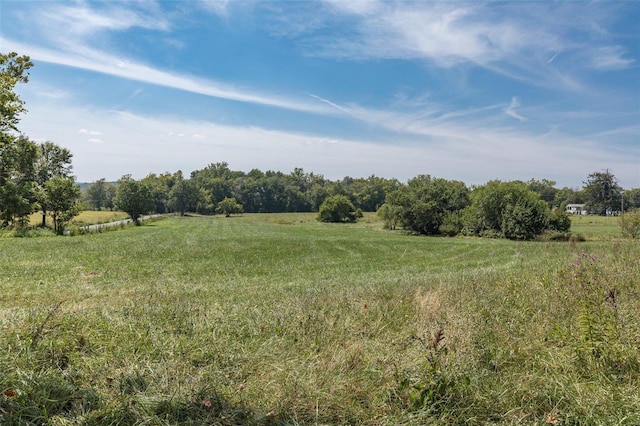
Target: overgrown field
x: 278, y: 319
x: 86, y: 217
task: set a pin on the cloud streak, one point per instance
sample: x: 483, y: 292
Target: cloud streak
x: 96, y: 61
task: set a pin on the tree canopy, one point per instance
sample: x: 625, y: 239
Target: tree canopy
x: 602, y: 193
x: 14, y: 69
x: 27, y: 168
x: 133, y: 197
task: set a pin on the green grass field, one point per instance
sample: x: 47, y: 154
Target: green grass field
x: 596, y: 227
x: 279, y: 319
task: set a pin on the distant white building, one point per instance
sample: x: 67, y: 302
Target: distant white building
x: 576, y: 209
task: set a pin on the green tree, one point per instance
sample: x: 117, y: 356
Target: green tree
x: 631, y: 199
x: 546, y: 189
x: 505, y: 209
x: 52, y: 161
x: 427, y: 203
x: 160, y: 187
x: 17, y: 175
x: 183, y: 196
x: 13, y: 70
x: 133, y: 197
x: 337, y: 208
x: 390, y: 214
x: 61, y: 195
x: 17, y: 153
x: 229, y: 206
x: 99, y: 195
x: 525, y: 216
x: 602, y: 193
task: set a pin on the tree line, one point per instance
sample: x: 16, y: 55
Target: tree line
x: 424, y: 205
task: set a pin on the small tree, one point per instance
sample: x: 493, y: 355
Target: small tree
x: 62, y: 197
x: 390, y: 214
x: 133, y: 197
x: 630, y: 224
x: 337, y: 208
x: 52, y: 161
x: 229, y: 206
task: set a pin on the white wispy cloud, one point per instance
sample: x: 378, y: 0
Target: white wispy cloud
x: 511, y: 109
x: 81, y: 19
x: 333, y: 104
x: 89, y: 132
x: 609, y: 58
x: 83, y: 57
x: 517, y: 40
x: 219, y: 7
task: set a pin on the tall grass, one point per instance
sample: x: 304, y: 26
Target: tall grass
x: 278, y: 319
x: 86, y: 217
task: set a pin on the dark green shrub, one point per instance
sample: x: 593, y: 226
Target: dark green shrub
x: 337, y: 208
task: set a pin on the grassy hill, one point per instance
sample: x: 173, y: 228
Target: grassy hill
x: 278, y: 319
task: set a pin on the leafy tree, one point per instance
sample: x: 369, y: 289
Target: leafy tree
x: 17, y: 153
x: 505, y: 209
x: 390, y: 214
x: 602, y: 193
x: 100, y: 195
x: 13, y: 70
x: 427, y: 202
x: 160, y: 187
x: 525, y: 216
x: 133, y: 197
x: 337, y: 208
x: 229, y: 206
x: 631, y: 199
x: 61, y: 195
x: 183, y: 196
x: 52, y: 161
x: 545, y: 188
x: 17, y: 174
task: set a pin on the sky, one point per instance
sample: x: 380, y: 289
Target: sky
x: 470, y: 91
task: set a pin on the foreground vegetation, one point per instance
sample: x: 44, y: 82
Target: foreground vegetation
x: 279, y: 319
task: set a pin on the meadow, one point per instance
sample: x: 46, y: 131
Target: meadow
x: 278, y: 319
x: 86, y: 217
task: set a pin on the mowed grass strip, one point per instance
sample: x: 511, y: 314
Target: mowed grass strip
x: 266, y: 319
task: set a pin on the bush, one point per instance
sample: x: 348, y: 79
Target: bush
x: 507, y: 209
x: 452, y: 224
x: 337, y: 208
x: 630, y: 224
x: 559, y: 220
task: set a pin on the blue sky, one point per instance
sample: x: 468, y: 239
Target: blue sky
x: 461, y: 90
